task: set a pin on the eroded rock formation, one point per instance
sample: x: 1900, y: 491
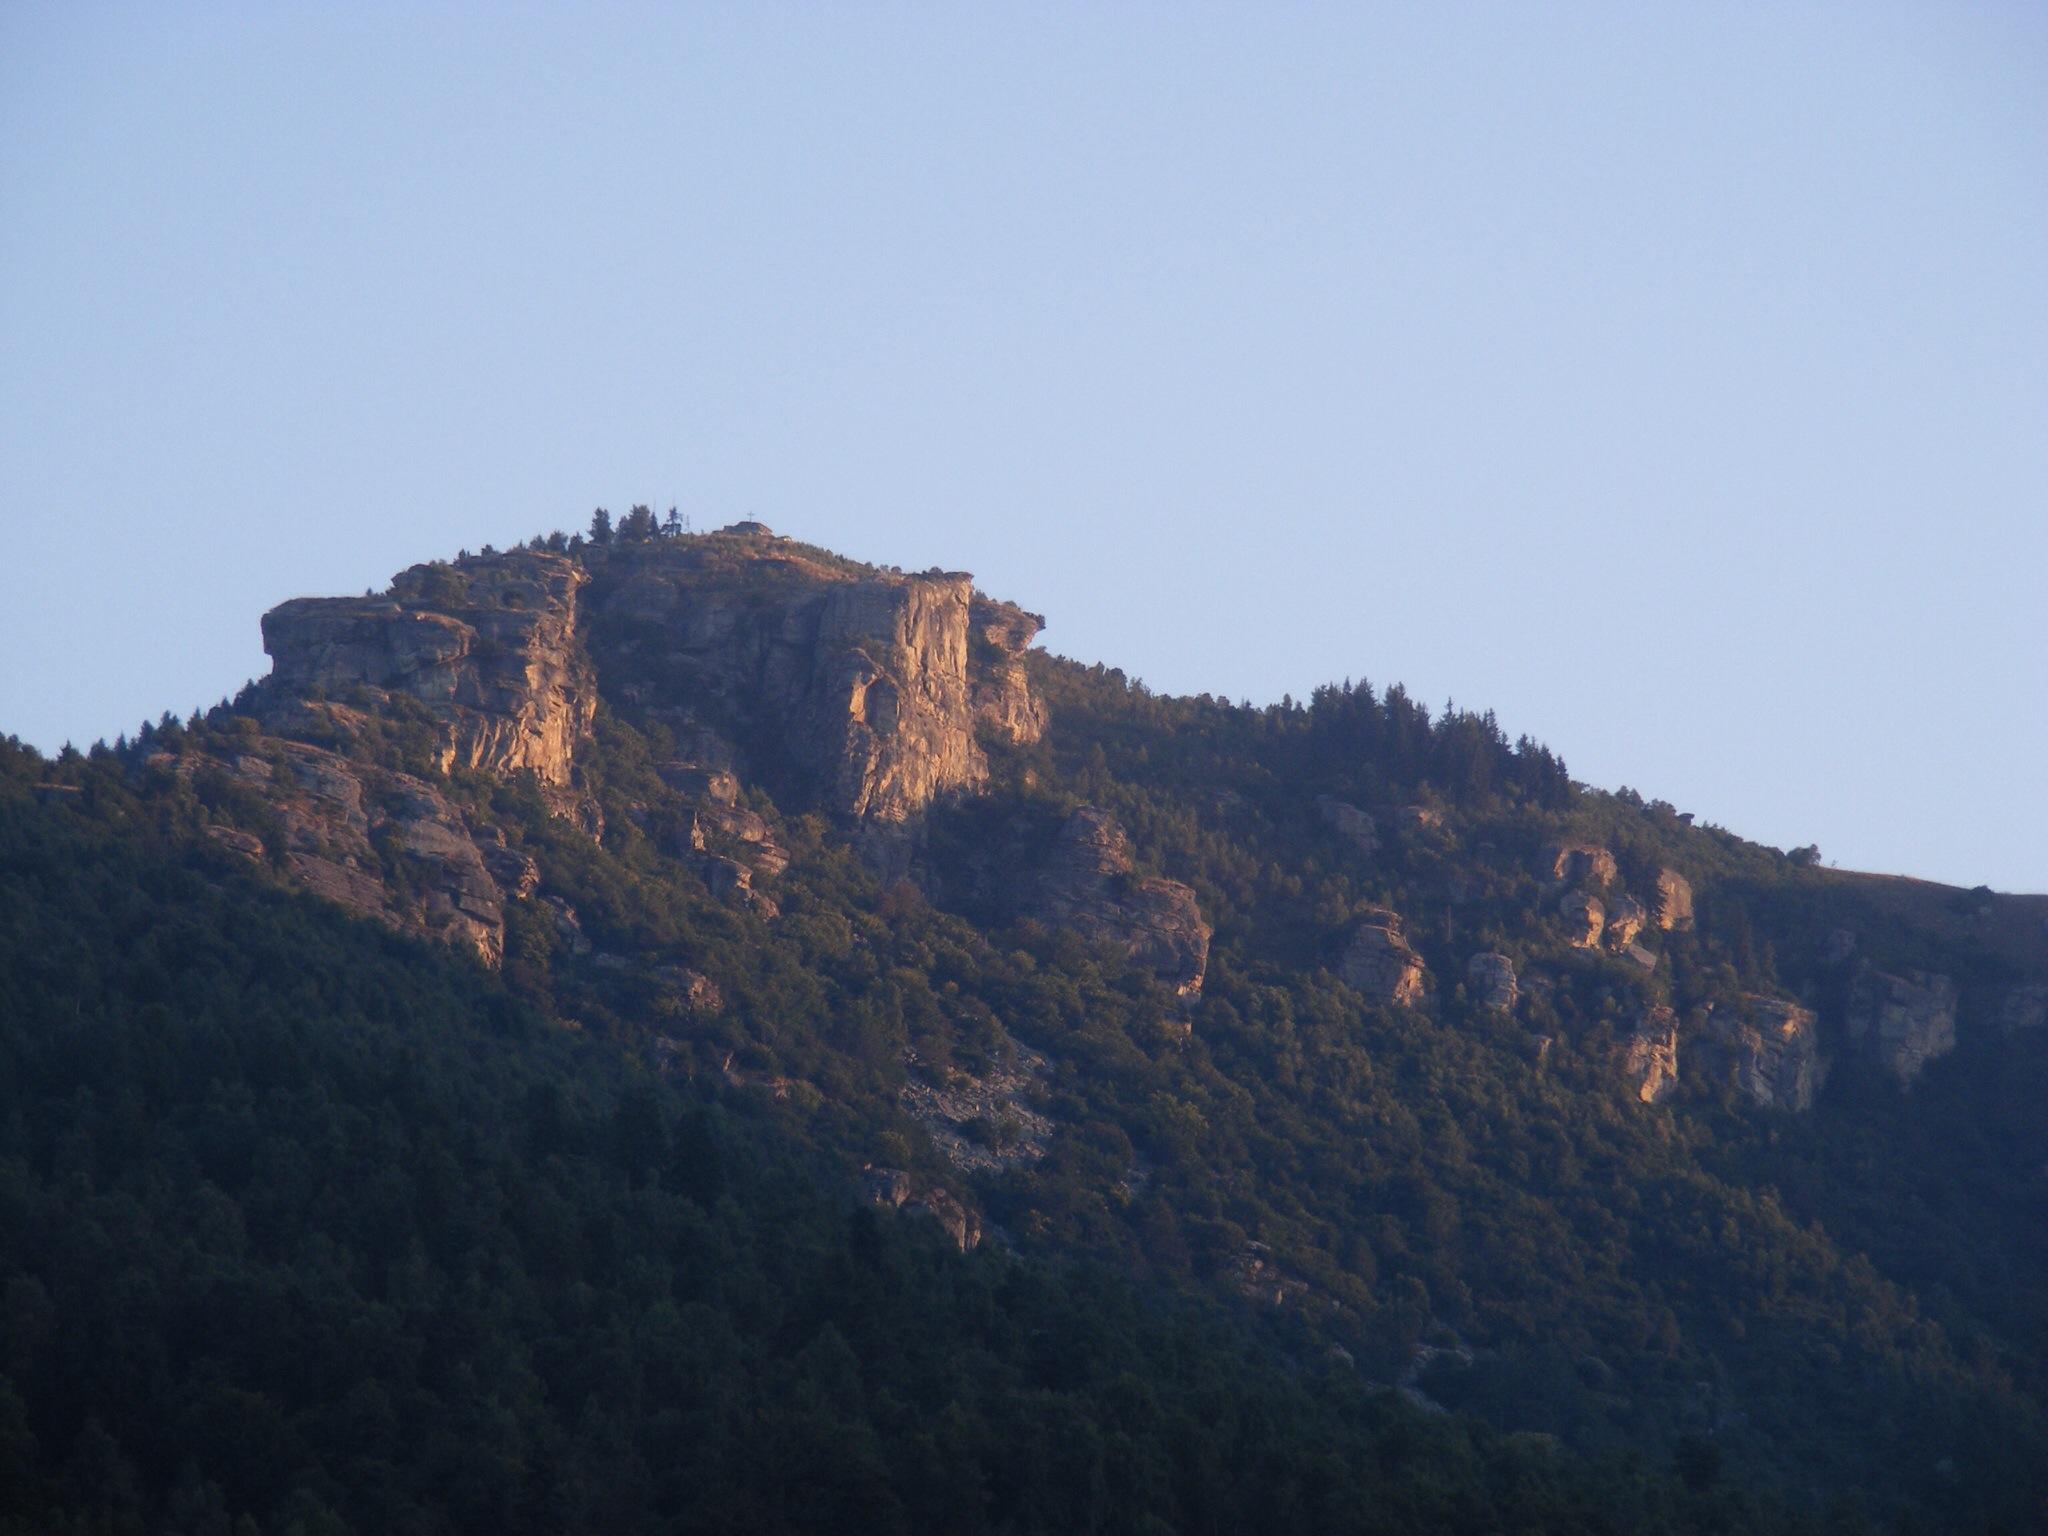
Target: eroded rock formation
x: 488, y: 644
x: 1624, y: 920
x: 1581, y: 864
x: 897, y: 1190
x: 1769, y: 1048
x: 861, y: 687
x: 1490, y: 979
x: 1650, y: 1058
x: 999, y: 636
x: 1088, y: 884
x: 1379, y: 962
x: 2024, y: 1007
x: 1585, y: 919
x: 1903, y: 1022
x: 1671, y: 901
x: 385, y: 845
x: 1352, y: 824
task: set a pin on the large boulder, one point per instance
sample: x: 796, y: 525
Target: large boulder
x: 1624, y: 920
x: 1353, y: 825
x: 1379, y: 962
x: 1671, y: 901
x: 1650, y: 1056
x: 1581, y: 864
x: 1585, y: 919
x: 1490, y: 980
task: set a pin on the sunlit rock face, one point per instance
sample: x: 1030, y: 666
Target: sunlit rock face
x: 1902, y: 1022
x: 1671, y: 901
x: 863, y: 689
x: 1769, y: 1050
x: 1585, y: 919
x: 1650, y: 1056
x: 489, y: 645
x: 1581, y: 864
x: 1624, y: 920
x: 1088, y: 884
x: 1379, y: 962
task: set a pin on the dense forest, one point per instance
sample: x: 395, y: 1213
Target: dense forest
x: 314, y: 1223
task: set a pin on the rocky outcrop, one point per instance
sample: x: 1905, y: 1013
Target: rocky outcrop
x: 999, y: 686
x: 1257, y: 1278
x: 1087, y: 883
x: 979, y: 1124
x: 1624, y: 920
x: 1379, y: 962
x: 1902, y: 1022
x: 859, y: 689
x: 1769, y: 1049
x: 1581, y: 864
x: 895, y: 1189
x: 1418, y: 821
x: 385, y: 845
x: 1352, y: 824
x: 1671, y: 901
x: 2024, y: 1007
x: 1585, y: 919
x: 489, y: 645
x: 1490, y: 981
x: 732, y: 882
x: 1650, y: 1058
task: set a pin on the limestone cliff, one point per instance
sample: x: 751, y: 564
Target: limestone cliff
x: 859, y: 689
x: 488, y: 644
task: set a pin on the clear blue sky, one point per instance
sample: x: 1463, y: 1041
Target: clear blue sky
x: 1671, y: 379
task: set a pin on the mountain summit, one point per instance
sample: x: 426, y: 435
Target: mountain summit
x: 1446, y: 1087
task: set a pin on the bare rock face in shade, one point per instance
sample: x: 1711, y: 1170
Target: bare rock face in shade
x: 1088, y: 884
x: 1769, y: 1049
x: 1490, y: 979
x: 1379, y: 962
x: 1902, y: 1022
